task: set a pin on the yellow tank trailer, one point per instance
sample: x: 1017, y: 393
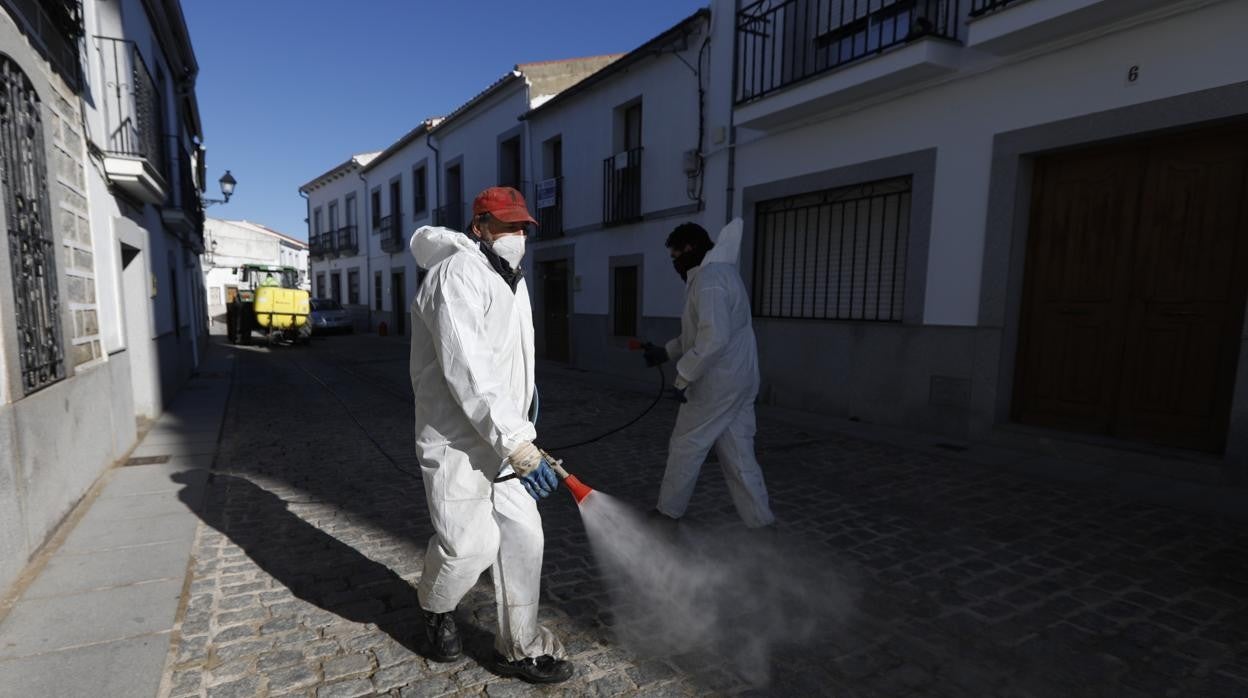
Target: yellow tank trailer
x: 270, y: 302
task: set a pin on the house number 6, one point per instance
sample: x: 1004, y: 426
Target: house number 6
x: 1133, y: 73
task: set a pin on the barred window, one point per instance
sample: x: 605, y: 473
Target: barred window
x: 837, y: 254
x: 28, y: 222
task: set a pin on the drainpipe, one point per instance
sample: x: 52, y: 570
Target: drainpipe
x: 307, y: 218
x: 437, y: 171
x: 368, y: 251
x: 732, y: 131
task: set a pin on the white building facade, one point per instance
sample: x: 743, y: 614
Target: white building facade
x: 231, y: 244
x: 1017, y: 220
x: 101, y: 300
x: 1013, y: 221
x: 337, y: 246
x: 362, y: 212
x: 621, y: 151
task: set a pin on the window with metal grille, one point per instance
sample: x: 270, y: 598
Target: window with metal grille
x: 838, y: 254
x: 624, y: 315
x: 28, y: 220
x: 321, y: 291
x: 377, y: 291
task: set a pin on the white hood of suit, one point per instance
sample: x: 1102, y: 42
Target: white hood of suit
x: 727, y: 247
x: 430, y: 244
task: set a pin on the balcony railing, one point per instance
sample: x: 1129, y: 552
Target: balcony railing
x: 321, y: 244
x: 346, y: 241
x: 450, y: 216
x: 391, y: 238
x: 134, y: 114
x: 550, y: 218
x: 54, y: 27
x: 983, y: 7
x: 621, y: 188
x: 781, y: 43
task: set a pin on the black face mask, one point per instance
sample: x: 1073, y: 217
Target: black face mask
x: 686, y: 261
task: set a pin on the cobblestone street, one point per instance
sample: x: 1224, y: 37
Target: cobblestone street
x: 967, y: 580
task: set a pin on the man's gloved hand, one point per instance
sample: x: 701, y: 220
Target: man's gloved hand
x: 655, y: 355
x: 678, y: 389
x: 533, y: 470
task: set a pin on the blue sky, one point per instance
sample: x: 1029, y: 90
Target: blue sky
x: 289, y: 88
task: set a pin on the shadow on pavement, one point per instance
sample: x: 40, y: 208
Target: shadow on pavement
x: 315, y: 566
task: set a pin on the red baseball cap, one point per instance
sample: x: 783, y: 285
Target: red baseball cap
x: 504, y: 203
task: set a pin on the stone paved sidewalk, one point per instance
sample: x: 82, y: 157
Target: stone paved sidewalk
x: 969, y: 580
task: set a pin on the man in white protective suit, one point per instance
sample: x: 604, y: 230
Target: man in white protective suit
x: 716, y: 376
x: 472, y: 375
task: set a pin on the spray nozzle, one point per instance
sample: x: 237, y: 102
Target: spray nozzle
x: 578, y: 489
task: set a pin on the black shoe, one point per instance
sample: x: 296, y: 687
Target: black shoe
x: 543, y: 669
x: 443, y: 637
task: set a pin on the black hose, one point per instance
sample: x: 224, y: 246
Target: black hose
x: 657, y: 398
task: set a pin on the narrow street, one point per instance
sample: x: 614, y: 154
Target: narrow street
x: 966, y: 580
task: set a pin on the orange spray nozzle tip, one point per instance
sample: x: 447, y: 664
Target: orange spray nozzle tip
x: 578, y: 489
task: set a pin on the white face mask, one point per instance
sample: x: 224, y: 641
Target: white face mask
x: 510, y: 248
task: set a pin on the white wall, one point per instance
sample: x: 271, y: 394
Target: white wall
x: 586, y: 122
x: 474, y: 137
x: 960, y: 117
x: 337, y: 190
x: 400, y: 164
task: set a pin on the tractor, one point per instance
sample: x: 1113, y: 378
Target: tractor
x: 268, y: 301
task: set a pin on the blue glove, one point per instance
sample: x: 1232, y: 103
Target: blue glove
x: 541, y: 482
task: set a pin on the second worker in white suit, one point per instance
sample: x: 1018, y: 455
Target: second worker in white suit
x: 472, y: 375
x: 716, y: 376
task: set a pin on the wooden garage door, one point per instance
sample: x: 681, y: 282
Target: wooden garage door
x: 1134, y: 290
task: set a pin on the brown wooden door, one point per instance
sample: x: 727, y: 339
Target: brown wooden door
x: 1132, y: 304
x: 555, y: 310
x: 1187, y: 293
x: 1077, y: 278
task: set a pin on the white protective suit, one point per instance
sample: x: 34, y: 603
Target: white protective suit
x: 716, y: 354
x: 472, y: 375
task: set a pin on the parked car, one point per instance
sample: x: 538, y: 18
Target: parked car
x: 329, y: 316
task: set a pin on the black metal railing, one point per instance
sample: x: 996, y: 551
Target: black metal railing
x: 838, y: 254
x: 781, y: 43
x: 32, y: 245
x: 346, y: 241
x: 983, y: 7
x: 450, y: 216
x: 621, y: 188
x: 391, y: 236
x: 133, y: 112
x: 550, y: 218
x: 321, y: 244
x: 54, y: 27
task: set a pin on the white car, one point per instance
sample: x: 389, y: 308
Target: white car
x: 328, y: 316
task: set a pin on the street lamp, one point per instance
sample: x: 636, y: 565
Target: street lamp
x: 227, y: 183
x: 211, y: 255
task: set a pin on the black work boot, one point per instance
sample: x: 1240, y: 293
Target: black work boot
x: 443, y: 637
x: 543, y: 669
